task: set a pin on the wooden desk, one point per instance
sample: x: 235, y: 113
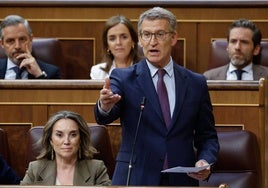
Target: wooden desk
x: 23, y: 104
x: 32, y: 186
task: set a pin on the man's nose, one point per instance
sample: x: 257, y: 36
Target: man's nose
x: 153, y: 39
x: 238, y: 45
x: 17, y: 44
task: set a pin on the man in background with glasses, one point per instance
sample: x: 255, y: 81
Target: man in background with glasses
x: 176, y: 119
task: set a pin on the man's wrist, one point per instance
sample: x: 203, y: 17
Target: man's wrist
x: 42, y: 76
x: 101, y: 110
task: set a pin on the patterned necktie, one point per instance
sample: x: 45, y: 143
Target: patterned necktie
x: 163, y: 96
x: 239, y: 73
x: 18, y: 72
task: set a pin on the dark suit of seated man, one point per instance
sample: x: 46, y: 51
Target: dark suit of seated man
x: 16, y: 40
x: 7, y: 175
x: 244, y: 43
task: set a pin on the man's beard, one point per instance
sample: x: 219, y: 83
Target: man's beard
x: 238, y: 62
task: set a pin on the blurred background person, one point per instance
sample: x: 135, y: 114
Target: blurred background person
x: 120, y: 47
x: 16, y: 40
x: 244, y: 47
x: 67, y: 155
x: 7, y: 175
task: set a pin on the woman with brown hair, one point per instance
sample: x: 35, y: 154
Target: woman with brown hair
x: 67, y: 155
x: 120, y: 47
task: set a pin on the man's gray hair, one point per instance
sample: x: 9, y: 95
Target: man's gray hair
x: 158, y: 13
x: 14, y: 20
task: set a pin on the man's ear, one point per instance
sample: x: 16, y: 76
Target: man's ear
x: 1, y: 43
x: 139, y: 43
x: 31, y: 37
x: 174, y: 38
x: 257, y: 50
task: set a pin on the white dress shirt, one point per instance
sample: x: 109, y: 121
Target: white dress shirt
x: 10, y: 72
x: 169, y: 80
x: 247, y: 75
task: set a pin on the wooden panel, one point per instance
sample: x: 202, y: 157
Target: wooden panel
x: 79, y: 56
x: 179, y: 52
x: 17, y: 142
x: 87, y: 111
x: 229, y: 127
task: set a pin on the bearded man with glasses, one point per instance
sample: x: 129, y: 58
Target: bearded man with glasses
x: 176, y: 127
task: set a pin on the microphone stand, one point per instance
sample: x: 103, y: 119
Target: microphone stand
x: 135, y: 139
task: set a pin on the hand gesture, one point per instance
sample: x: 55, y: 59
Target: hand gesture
x: 29, y: 62
x: 107, y: 98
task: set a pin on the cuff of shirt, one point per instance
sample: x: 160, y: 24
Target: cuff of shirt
x: 102, y: 112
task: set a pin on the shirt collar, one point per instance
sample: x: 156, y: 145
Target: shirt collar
x: 168, y: 68
x: 10, y: 64
x: 247, y: 68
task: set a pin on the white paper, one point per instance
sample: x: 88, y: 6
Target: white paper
x: 181, y: 169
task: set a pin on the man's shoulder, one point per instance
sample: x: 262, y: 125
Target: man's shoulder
x: 260, y: 67
x: 3, y: 61
x: 217, y: 69
x: 216, y: 73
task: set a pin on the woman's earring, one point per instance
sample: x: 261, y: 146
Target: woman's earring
x: 108, y: 52
x: 52, y: 154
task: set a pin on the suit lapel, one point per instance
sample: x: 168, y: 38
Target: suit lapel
x: 222, y: 74
x: 147, y: 87
x: 47, y: 172
x: 81, y: 175
x: 181, y: 85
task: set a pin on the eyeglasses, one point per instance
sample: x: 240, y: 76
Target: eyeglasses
x: 160, y: 35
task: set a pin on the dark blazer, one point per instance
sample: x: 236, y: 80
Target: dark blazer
x: 87, y: 172
x: 52, y: 71
x: 219, y: 73
x: 7, y: 174
x: 192, y: 123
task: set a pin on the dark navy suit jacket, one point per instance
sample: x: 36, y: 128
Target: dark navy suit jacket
x: 52, y: 71
x: 7, y: 175
x: 192, y: 125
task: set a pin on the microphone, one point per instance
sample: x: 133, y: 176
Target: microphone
x: 135, y: 139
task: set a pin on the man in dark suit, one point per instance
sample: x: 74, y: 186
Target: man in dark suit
x: 244, y: 43
x: 164, y: 140
x: 7, y: 174
x: 16, y: 40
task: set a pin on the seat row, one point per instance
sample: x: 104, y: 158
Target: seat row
x: 238, y: 162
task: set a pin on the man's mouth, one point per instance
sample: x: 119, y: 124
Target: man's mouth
x: 153, y: 51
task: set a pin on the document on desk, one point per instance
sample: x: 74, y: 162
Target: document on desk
x: 181, y: 169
